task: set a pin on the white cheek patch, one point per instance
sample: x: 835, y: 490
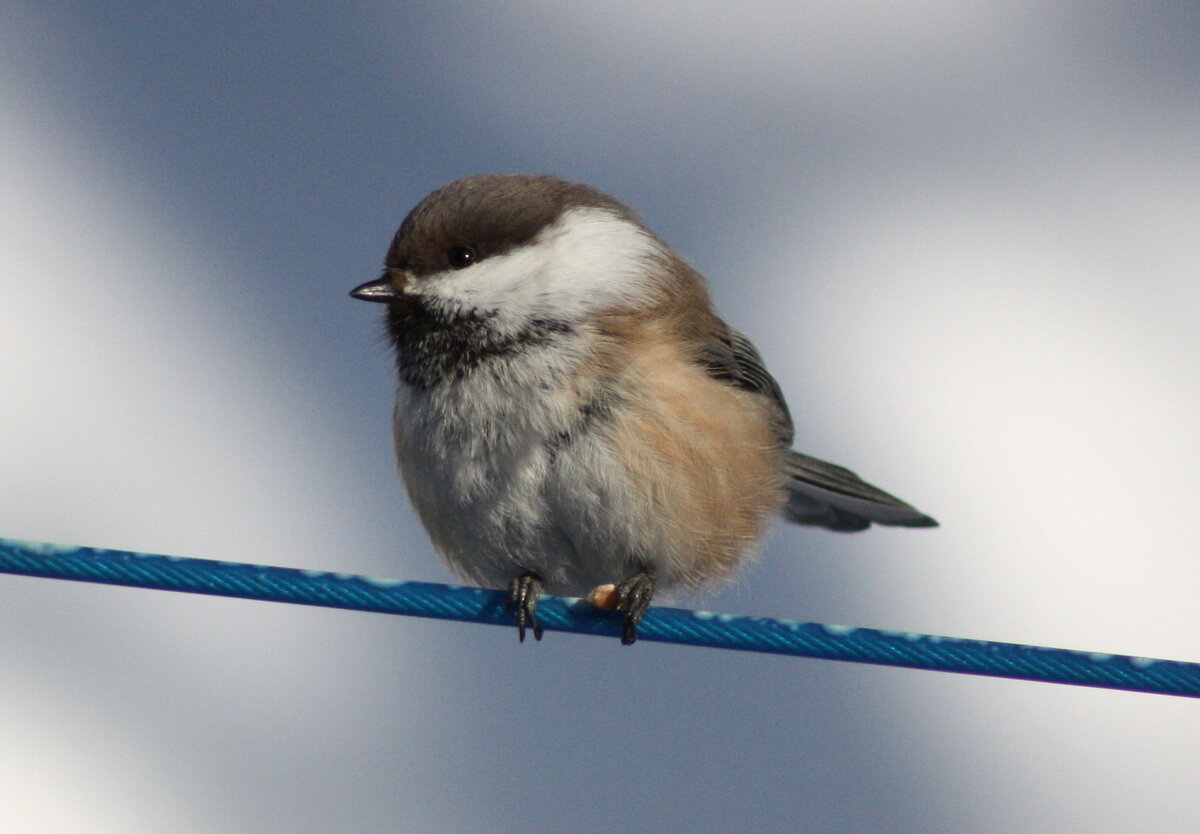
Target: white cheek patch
x: 588, y: 261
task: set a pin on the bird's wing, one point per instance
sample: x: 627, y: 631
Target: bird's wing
x: 729, y: 356
x: 818, y: 493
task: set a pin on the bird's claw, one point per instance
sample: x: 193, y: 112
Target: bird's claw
x: 523, y: 593
x: 633, y: 597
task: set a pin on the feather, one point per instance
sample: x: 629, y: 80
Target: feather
x: 831, y: 496
x: 817, y: 493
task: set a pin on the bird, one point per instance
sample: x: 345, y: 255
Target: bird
x: 572, y: 413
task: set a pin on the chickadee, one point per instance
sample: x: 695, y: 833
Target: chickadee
x: 572, y: 412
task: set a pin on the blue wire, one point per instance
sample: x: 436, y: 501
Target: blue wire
x: 666, y: 625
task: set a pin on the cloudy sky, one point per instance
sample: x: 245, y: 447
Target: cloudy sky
x: 963, y: 236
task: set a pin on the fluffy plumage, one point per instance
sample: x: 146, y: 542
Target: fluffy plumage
x: 571, y: 411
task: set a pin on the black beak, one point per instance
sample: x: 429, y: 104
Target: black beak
x: 380, y: 289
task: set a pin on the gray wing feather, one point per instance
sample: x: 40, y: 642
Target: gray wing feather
x: 730, y: 356
x: 829, y: 496
x: 818, y: 493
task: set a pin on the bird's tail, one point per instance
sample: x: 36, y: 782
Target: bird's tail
x: 826, y: 495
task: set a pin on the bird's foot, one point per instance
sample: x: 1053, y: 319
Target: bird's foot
x: 633, y: 597
x: 523, y: 593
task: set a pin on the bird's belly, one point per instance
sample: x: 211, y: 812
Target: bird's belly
x: 498, y: 504
x: 679, y: 480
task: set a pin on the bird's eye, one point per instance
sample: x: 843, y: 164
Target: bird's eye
x: 461, y: 257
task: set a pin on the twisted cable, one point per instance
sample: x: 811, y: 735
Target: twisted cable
x: 665, y: 625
